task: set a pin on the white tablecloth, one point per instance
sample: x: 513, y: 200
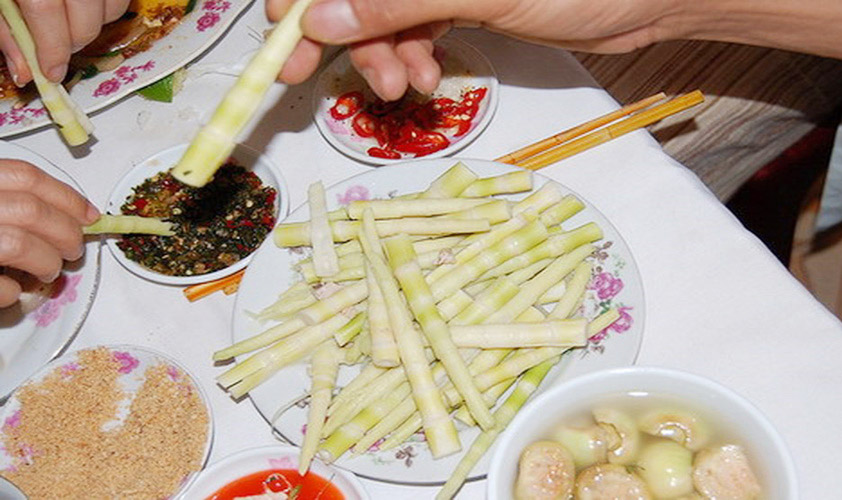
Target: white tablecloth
x: 717, y: 303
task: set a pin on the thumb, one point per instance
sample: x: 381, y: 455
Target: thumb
x: 345, y: 21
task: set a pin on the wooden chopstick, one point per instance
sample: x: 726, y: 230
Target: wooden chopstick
x: 612, y: 131
x: 540, y: 154
x: 571, y: 133
x: 228, y: 285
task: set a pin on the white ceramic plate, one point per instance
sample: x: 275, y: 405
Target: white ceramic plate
x: 29, y: 341
x: 233, y: 467
x: 463, y: 66
x: 199, y: 29
x: 164, y: 160
x: 617, y: 283
x: 134, y: 362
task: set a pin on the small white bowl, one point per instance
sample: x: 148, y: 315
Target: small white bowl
x: 246, y: 462
x: 135, y: 360
x: 464, y: 66
x: 768, y: 452
x: 159, y: 162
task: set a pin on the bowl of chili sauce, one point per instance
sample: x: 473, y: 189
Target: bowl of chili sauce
x: 217, y: 227
x: 362, y: 126
x: 271, y: 470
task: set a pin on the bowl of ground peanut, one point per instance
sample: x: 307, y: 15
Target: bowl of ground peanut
x: 99, y: 422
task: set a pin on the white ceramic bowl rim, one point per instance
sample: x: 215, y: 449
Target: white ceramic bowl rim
x: 503, y: 454
x: 217, y: 473
x: 266, y: 169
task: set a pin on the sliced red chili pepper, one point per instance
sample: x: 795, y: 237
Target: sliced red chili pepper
x: 364, y: 124
x: 426, y: 143
x: 462, y: 128
x: 347, y: 105
x: 474, y: 97
x: 383, y: 153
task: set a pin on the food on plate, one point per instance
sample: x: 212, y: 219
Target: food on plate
x: 80, y: 433
x: 216, y: 139
x: 640, y: 446
x: 411, y: 127
x: 72, y: 123
x: 279, y: 484
x: 418, y: 274
x: 215, y: 226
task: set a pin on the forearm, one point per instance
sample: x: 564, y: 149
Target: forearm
x: 812, y: 26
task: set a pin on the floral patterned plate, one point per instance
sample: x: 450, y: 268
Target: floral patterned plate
x: 132, y: 362
x: 28, y: 341
x: 616, y: 283
x: 199, y: 29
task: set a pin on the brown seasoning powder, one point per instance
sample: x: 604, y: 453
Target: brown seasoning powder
x: 147, y: 457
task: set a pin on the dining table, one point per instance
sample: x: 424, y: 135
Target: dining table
x: 717, y: 302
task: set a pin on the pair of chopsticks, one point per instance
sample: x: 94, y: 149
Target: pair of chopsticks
x: 545, y: 152
x: 600, y: 130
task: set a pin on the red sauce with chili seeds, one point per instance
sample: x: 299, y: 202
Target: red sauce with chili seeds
x: 215, y: 226
x: 309, y: 487
x: 410, y: 126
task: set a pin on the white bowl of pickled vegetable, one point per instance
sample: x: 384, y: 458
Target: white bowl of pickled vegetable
x: 641, y: 433
x: 217, y: 227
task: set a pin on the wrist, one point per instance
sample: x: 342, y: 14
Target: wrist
x: 813, y: 26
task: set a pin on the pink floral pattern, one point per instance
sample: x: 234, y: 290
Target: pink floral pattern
x: 64, y: 293
x: 353, y: 193
x: 17, y: 116
x: 282, y: 463
x: 606, y: 285
x: 122, y: 76
x: 12, y: 421
x: 127, y: 362
x: 212, y: 10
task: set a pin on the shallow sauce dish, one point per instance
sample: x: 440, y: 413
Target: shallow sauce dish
x: 764, y: 447
x: 243, y: 156
x: 241, y: 464
x: 464, y: 67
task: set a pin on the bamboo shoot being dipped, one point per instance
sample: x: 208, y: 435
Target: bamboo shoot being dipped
x: 216, y: 140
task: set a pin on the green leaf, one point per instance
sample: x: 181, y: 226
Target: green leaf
x: 164, y: 89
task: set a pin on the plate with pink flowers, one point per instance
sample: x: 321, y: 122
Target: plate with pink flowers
x: 615, y: 284
x: 45, y: 321
x: 111, y: 73
x: 123, y: 418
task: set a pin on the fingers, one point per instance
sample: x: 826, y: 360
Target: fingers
x: 415, y: 49
x: 302, y: 62
x: 113, y: 9
x: 345, y: 21
x: 379, y: 64
x: 85, y: 18
x: 26, y: 211
x: 9, y: 291
x: 21, y: 176
x: 47, y: 20
x: 14, y: 57
x: 25, y: 251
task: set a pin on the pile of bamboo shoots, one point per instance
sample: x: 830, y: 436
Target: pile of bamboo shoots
x: 448, y: 300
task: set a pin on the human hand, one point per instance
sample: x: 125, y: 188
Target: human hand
x: 41, y: 223
x: 59, y: 28
x: 391, y: 41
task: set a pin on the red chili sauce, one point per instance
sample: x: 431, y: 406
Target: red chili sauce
x: 308, y: 487
x: 409, y: 126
